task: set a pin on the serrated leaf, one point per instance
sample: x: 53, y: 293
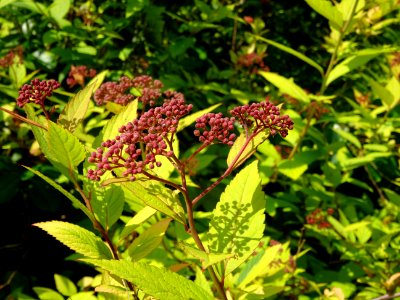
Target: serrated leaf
x: 76, y: 108
x: 157, y: 196
x: 142, y: 216
x: 78, y: 204
x: 110, y: 131
x: 154, y: 281
x: 77, y: 238
x: 327, y: 10
x: 190, y: 119
x: 148, y: 240
x: 47, y: 294
x: 286, y: 86
x: 249, y: 149
x: 108, y: 207
x: 17, y: 73
x: 207, y: 259
x: 237, y: 222
x: 65, y: 285
x: 65, y: 150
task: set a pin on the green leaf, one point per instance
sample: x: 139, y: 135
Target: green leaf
x: 47, y: 294
x: 292, y: 52
x: 201, y: 280
x: 383, y: 93
x: 355, y: 162
x: 97, y: 80
x: 154, y: 281
x: 108, y: 206
x: 142, y: 216
x: 190, y: 119
x: 64, y: 149
x: 148, y: 240
x: 77, y: 238
x: 110, y: 131
x: 4, y: 3
x: 355, y: 61
x: 237, y: 222
x: 64, y: 285
x: 157, y: 196
x: 59, y: 8
x: 248, y: 151
x: 296, y: 167
x: 89, y: 295
x: 75, y: 110
x: 75, y: 202
x: 347, y: 136
x: 339, y: 228
x: 286, y: 86
x: 258, y: 265
x: 327, y: 10
x: 17, y: 74
x: 207, y: 259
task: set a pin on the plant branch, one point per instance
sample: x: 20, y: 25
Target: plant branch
x: 23, y: 119
x: 388, y: 296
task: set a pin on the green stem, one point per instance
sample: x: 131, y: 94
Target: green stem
x: 324, y: 85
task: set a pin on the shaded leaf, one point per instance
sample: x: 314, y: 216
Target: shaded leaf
x: 237, y: 222
x: 148, y: 240
x: 75, y: 110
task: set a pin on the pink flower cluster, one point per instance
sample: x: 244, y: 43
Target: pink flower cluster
x: 263, y: 116
x: 118, y: 92
x: 213, y: 128
x: 142, y: 140
x: 37, y: 91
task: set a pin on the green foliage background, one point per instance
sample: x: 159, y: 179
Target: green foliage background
x: 332, y: 187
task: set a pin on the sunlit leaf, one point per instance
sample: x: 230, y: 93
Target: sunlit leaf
x: 154, y: 281
x: 77, y: 238
x: 237, y: 223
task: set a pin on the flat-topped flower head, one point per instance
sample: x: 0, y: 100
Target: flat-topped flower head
x: 214, y: 128
x: 149, y: 88
x: 37, y: 91
x: 262, y: 116
x: 117, y: 92
x: 136, y: 149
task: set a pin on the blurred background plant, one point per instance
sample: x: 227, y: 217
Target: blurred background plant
x: 332, y: 186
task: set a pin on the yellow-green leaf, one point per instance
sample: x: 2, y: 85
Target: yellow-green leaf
x: 237, y: 222
x: 77, y: 238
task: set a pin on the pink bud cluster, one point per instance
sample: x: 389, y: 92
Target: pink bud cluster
x: 118, y: 92
x: 214, y: 128
x: 114, y: 92
x: 252, y: 61
x: 142, y: 140
x: 150, y: 89
x: 263, y: 116
x: 78, y: 74
x: 8, y: 59
x: 37, y: 91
